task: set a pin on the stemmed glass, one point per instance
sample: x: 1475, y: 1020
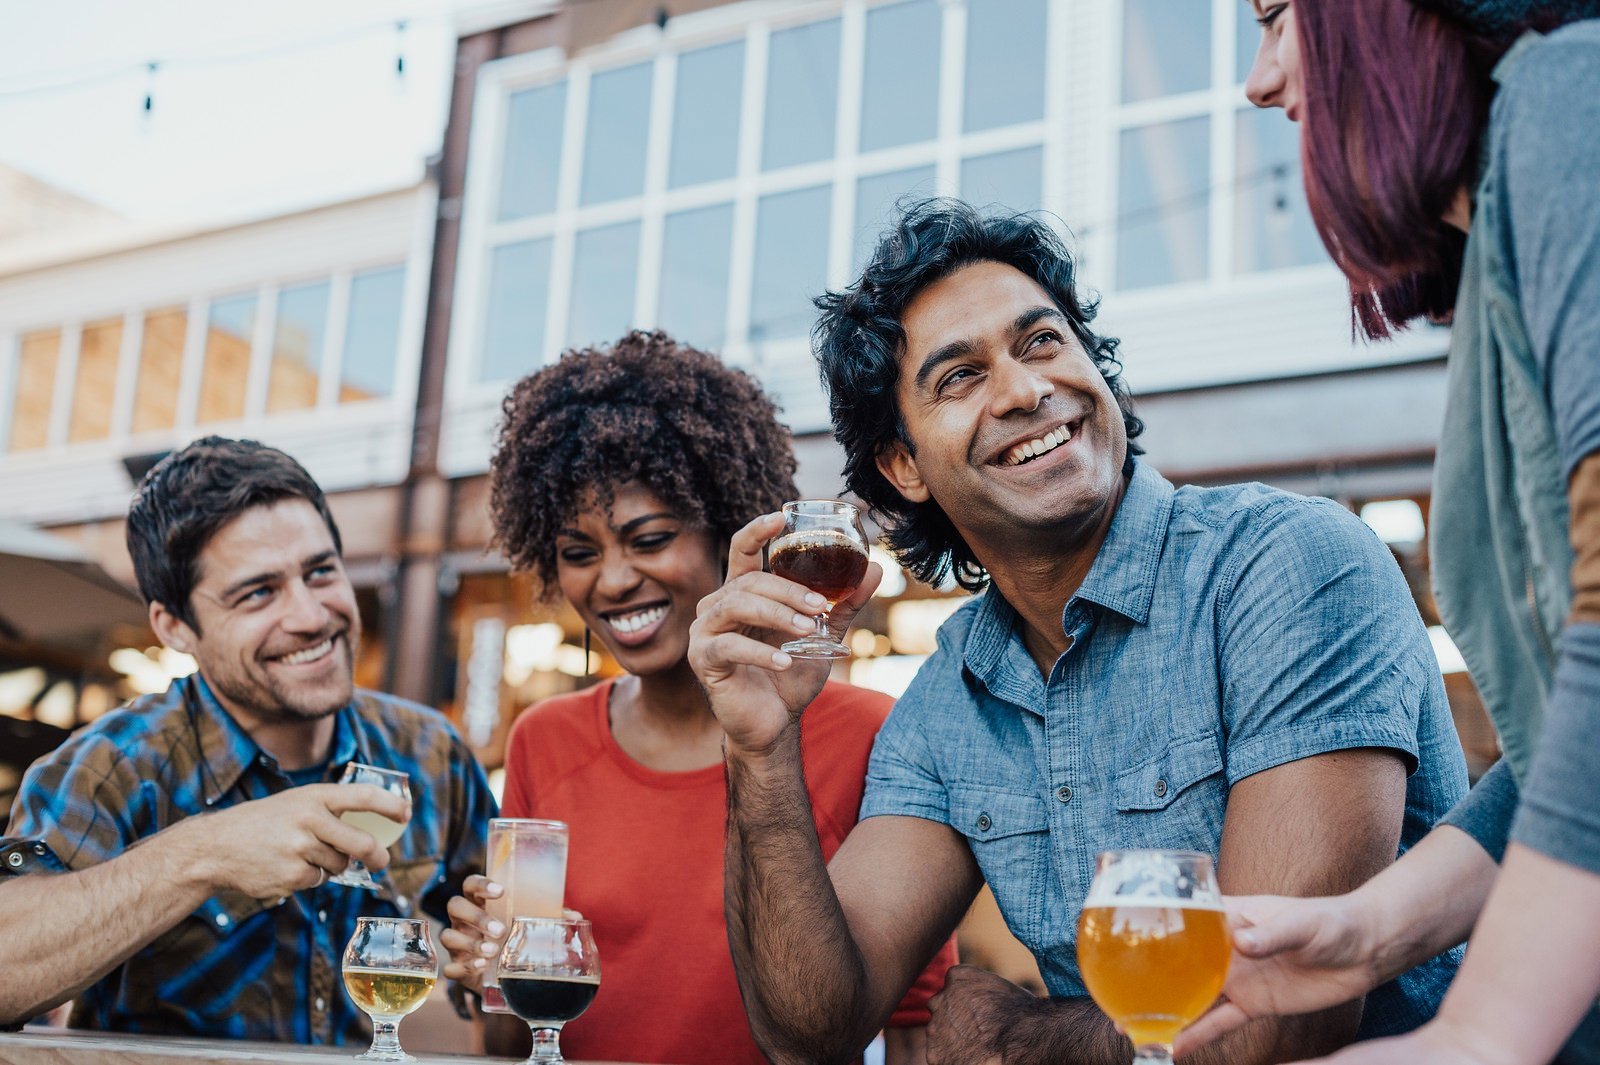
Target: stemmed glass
x: 377, y: 826
x: 1153, y: 944
x: 389, y: 969
x: 549, y: 973
x: 823, y: 547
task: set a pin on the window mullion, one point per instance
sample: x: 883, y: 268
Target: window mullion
x: 127, y: 373
x: 66, y: 385
x: 262, y: 347
x: 658, y: 154
x: 741, y: 269
x: 847, y: 142
x: 952, y: 90
x: 194, y: 356
x: 567, y: 190
x: 332, y: 367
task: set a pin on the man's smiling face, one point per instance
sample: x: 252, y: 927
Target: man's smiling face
x: 1013, y: 429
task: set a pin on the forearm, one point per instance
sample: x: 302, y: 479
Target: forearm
x: 65, y: 931
x: 800, y: 971
x: 905, y: 1046
x: 1534, y: 966
x: 1425, y: 903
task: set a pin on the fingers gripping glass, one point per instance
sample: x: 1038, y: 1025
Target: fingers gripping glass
x: 376, y: 825
x: 389, y: 969
x: 549, y: 973
x: 1153, y: 945
x: 823, y: 547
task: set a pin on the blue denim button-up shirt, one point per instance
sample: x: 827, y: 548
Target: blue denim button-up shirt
x: 1220, y: 632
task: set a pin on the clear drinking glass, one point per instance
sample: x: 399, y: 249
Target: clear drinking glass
x: 528, y: 858
x: 549, y: 973
x: 823, y: 547
x: 1153, y: 944
x: 389, y: 969
x: 377, y: 826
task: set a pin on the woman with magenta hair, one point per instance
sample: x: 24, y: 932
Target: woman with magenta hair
x: 1452, y: 166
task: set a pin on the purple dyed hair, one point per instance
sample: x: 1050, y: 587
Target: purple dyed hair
x: 1395, y: 100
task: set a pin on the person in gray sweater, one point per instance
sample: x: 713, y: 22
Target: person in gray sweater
x: 1452, y: 154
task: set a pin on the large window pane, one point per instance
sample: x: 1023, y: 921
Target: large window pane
x: 1004, y: 182
x: 1005, y: 63
x: 372, y: 334
x: 1163, y: 205
x: 1272, y: 226
x: 614, y: 140
x: 34, y: 389
x: 802, y: 95
x: 1247, y: 38
x: 155, y: 393
x: 705, y: 122
x: 694, y: 275
x: 227, y: 362
x: 900, y: 85
x: 604, y: 274
x: 96, y: 389
x: 519, y: 296
x: 1166, y: 47
x: 534, y: 123
x: 877, y: 199
x: 791, y: 262
x: 297, y: 339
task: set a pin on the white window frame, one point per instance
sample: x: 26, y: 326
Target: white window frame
x: 754, y: 21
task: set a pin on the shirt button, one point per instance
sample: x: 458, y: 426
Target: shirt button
x: 322, y: 915
x: 322, y: 1004
x: 14, y: 860
x: 1064, y: 793
x: 984, y: 823
x: 222, y: 920
x: 1161, y: 788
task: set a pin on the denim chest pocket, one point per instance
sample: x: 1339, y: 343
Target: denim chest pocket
x: 1176, y: 799
x: 1007, y: 832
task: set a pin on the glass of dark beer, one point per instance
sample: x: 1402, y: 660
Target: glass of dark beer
x: 549, y: 973
x: 823, y: 547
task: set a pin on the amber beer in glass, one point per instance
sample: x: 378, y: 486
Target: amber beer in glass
x: 1153, y: 945
x: 823, y: 547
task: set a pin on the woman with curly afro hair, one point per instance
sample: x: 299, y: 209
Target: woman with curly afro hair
x: 619, y: 476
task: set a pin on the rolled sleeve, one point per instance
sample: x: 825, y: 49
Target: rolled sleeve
x: 1560, y: 811
x: 1323, y: 649
x: 78, y: 804
x: 1488, y: 810
x: 901, y: 776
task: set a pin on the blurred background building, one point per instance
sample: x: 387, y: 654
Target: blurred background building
x: 705, y: 167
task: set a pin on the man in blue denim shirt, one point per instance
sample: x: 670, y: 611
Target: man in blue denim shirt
x: 1237, y: 671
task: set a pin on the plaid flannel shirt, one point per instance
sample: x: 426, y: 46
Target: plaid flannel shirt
x: 237, y: 967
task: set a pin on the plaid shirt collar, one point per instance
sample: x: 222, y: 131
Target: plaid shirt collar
x: 228, y: 752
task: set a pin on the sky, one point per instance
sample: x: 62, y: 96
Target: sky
x: 258, y: 107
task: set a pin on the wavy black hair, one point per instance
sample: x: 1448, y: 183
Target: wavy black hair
x: 699, y: 434
x: 859, y: 341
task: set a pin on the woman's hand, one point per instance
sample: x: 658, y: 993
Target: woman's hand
x: 1435, y: 1043
x: 473, y: 938
x: 1291, y: 956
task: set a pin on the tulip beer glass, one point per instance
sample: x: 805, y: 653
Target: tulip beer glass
x: 377, y: 826
x: 823, y: 547
x: 549, y: 973
x: 1153, y: 945
x: 389, y: 969
x: 528, y: 858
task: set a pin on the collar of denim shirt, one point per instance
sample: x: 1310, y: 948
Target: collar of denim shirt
x: 1122, y: 578
x: 227, y: 749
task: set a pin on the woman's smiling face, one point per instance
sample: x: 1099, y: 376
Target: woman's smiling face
x: 636, y: 575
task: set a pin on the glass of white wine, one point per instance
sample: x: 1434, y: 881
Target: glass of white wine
x: 377, y: 826
x: 389, y: 969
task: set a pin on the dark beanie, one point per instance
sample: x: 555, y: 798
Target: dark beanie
x: 1501, y: 18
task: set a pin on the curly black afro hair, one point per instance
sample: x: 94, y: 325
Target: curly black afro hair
x: 699, y: 434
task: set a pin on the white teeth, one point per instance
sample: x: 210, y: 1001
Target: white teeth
x: 630, y: 623
x: 1034, y: 448
x: 310, y: 654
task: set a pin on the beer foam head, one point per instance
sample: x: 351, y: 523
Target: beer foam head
x: 817, y: 538
x: 1174, y: 879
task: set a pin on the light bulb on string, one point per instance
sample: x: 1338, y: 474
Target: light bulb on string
x: 150, y: 89
x: 400, y: 50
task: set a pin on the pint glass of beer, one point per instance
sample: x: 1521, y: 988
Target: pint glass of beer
x: 1153, y: 945
x: 823, y: 547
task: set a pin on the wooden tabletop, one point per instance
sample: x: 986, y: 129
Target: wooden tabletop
x: 57, y: 1046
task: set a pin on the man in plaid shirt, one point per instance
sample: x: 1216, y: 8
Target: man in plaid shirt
x: 184, y: 842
